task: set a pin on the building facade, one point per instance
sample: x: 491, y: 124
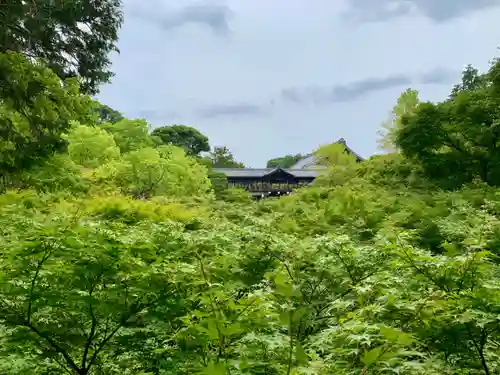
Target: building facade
x: 265, y: 182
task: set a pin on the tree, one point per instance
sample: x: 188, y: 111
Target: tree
x: 218, y: 181
x: 107, y: 114
x: 286, y: 161
x: 221, y: 157
x: 407, y: 103
x: 457, y: 140
x: 471, y: 80
x: 65, y: 297
x: 91, y: 146
x: 74, y: 37
x: 129, y: 135
x: 35, y: 111
x: 57, y: 174
x: 162, y: 171
x: 334, y: 154
x: 186, y: 137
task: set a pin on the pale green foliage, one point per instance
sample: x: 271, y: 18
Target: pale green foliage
x: 157, y: 171
x: 236, y: 195
x: 130, y: 135
x: 372, y: 270
x: 334, y: 154
x: 90, y: 146
x: 340, y: 164
x: 406, y: 105
x: 242, y: 298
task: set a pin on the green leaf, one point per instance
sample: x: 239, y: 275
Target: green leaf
x: 301, y: 355
x: 215, y: 369
x: 371, y: 356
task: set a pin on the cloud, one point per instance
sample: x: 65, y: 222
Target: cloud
x: 439, y: 76
x: 436, y: 10
x: 155, y: 116
x: 342, y: 93
x: 235, y: 110
x: 215, y: 16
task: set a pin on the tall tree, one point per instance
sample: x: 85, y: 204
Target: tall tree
x: 471, y: 80
x: 187, y: 137
x: 74, y: 37
x: 284, y: 161
x: 458, y: 139
x: 221, y: 157
x: 407, y: 103
x: 35, y: 111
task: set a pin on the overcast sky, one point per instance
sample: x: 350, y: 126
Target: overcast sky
x: 273, y: 77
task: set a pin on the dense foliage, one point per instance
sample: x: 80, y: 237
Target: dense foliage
x: 74, y: 37
x: 221, y: 157
x: 460, y: 134
x: 187, y: 137
x: 35, y: 110
x: 286, y: 161
x: 122, y: 252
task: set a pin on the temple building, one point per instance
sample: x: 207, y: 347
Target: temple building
x: 263, y: 182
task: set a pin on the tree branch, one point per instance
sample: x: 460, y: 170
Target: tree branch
x: 54, y: 345
x: 33, y: 282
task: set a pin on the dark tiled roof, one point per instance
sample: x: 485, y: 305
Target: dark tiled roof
x: 261, y: 172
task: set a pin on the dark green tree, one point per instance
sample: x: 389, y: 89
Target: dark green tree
x: 107, y: 114
x: 187, y: 137
x: 221, y: 157
x: 74, y: 37
x: 458, y: 140
x: 471, y: 80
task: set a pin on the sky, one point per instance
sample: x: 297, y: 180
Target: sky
x: 268, y: 78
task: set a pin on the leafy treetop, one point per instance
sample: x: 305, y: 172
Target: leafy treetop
x: 461, y: 134
x: 284, y: 161
x: 75, y: 38
x: 190, y: 139
x: 221, y: 157
x: 36, y: 108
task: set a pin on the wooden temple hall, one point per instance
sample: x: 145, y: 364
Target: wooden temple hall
x: 266, y: 182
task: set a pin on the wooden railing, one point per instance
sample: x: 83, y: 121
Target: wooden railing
x: 267, y: 187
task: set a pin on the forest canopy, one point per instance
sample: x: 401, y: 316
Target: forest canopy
x: 122, y: 251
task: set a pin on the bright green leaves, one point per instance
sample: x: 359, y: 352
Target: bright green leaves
x: 90, y: 146
x: 81, y: 289
x: 406, y: 106
x: 371, y: 356
x: 151, y: 172
x: 215, y: 369
x: 129, y: 135
x: 285, y: 287
x: 242, y: 297
x: 36, y: 108
x: 334, y: 154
